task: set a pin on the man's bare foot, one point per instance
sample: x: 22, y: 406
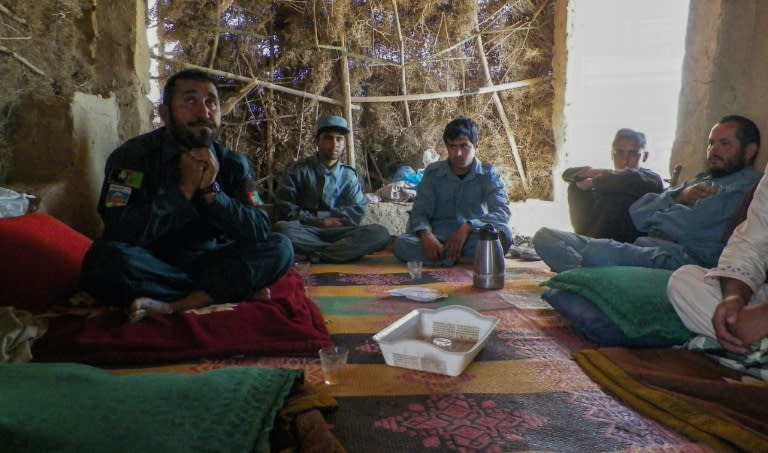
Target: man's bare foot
x: 262, y: 294
x: 142, y: 307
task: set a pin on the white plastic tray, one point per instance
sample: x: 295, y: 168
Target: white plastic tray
x: 407, y: 343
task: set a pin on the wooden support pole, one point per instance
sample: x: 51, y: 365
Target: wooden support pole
x: 270, y: 150
x: 451, y: 94
x: 229, y: 104
x: 269, y: 85
x: 502, y: 115
x: 402, y: 64
x: 4, y: 9
x: 376, y: 167
x: 271, y: 112
x: 24, y: 61
x: 217, y: 34
x: 358, y: 99
x: 348, y: 105
x: 270, y: 144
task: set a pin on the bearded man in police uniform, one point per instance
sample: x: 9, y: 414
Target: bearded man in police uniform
x: 183, y: 226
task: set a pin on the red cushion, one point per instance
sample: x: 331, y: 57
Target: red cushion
x: 40, y: 259
x: 289, y: 324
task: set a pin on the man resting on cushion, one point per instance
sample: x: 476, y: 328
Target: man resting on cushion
x: 182, y: 226
x: 684, y: 225
x: 730, y: 301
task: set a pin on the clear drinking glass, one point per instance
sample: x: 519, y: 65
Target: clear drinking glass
x: 414, y: 269
x: 304, y: 270
x: 333, y: 362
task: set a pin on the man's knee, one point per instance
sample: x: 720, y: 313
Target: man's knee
x: 277, y: 247
x: 261, y: 263
x: 106, y: 257
x: 283, y: 249
x: 404, y: 246
x: 560, y: 250
x: 378, y: 235
x: 107, y: 269
x: 286, y: 226
x: 547, y: 239
x: 543, y: 236
x: 694, y: 298
x: 680, y: 282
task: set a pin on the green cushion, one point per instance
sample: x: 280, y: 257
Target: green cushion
x: 635, y: 298
x: 78, y: 408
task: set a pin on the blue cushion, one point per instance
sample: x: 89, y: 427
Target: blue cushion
x: 634, y: 298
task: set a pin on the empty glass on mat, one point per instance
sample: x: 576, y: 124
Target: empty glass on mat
x: 303, y: 268
x: 414, y: 268
x: 333, y: 362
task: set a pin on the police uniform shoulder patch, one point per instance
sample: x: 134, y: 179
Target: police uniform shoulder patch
x: 255, y: 199
x: 122, y: 181
x: 127, y: 177
x: 117, y: 195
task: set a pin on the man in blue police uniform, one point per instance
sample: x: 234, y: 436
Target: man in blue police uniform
x: 182, y: 228
x: 319, y: 202
x: 455, y: 199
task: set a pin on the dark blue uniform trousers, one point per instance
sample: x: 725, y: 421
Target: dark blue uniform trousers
x: 116, y: 273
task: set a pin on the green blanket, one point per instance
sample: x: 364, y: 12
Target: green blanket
x: 634, y: 298
x: 68, y: 407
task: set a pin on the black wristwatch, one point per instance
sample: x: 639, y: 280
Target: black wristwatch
x: 213, y: 188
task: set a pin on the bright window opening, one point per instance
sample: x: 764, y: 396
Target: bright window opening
x: 624, y: 70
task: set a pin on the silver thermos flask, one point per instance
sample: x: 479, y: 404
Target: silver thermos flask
x: 489, y: 260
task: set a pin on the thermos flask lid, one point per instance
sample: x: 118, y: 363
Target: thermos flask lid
x: 489, y: 233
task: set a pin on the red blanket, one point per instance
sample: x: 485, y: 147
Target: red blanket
x: 289, y: 324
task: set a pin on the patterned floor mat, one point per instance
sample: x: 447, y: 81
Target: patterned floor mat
x: 522, y: 393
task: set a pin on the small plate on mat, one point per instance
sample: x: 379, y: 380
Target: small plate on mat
x: 418, y: 294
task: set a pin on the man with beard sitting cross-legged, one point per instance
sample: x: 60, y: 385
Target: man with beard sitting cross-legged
x: 183, y: 227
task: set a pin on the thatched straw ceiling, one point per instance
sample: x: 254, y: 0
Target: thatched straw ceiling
x: 300, y: 44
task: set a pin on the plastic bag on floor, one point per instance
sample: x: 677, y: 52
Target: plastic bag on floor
x: 407, y: 174
x: 397, y: 191
x: 12, y: 203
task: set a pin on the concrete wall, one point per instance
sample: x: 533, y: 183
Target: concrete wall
x: 121, y: 62
x: 59, y: 142
x: 63, y: 161
x: 722, y: 74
